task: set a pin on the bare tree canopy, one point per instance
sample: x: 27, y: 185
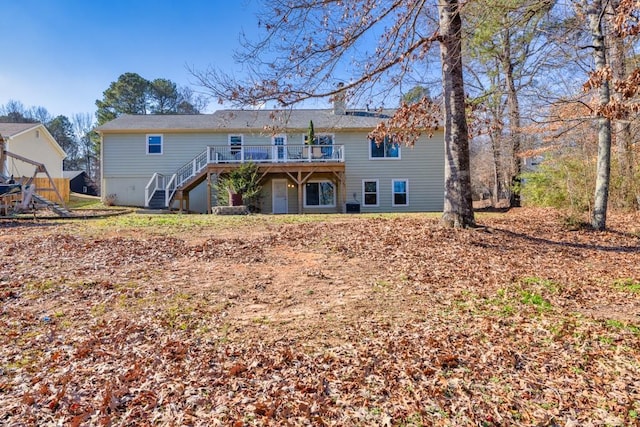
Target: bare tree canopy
x: 308, y: 45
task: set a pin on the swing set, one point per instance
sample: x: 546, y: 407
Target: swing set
x: 18, y: 195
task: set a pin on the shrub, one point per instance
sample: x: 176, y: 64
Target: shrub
x: 110, y: 199
x: 563, y: 181
x: 245, y: 181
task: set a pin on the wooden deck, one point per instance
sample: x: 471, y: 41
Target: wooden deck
x: 298, y: 172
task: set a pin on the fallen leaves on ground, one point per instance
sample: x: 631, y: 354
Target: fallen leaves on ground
x: 349, y: 321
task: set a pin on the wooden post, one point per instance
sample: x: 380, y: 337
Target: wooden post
x: 3, y: 156
x: 343, y: 192
x: 299, y: 182
x: 209, y: 201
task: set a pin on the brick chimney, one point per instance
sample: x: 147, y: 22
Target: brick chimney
x: 339, y: 101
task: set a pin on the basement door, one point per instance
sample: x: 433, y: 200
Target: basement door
x: 280, y: 199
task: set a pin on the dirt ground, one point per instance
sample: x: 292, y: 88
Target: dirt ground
x: 349, y: 320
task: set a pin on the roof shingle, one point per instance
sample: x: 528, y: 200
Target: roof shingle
x: 254, y: 120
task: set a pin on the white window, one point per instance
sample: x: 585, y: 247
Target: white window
x: 235, y: 142
x: 325, y: 142
x: 387, y: 149
x: 320, y: 139
x: 154, y: 144
x: 400, y: 192
x: 370, y: 192
x: 319, y: 194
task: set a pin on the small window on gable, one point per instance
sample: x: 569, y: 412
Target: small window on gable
x: 400, y: 192
x: 387, y: 149
x: 154, y: 144
x: 37, y: 134
x: 370, y: 192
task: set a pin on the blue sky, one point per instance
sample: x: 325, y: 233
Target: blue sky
x: 62, y: 54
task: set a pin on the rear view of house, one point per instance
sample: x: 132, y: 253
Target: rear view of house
x: 174, y: 160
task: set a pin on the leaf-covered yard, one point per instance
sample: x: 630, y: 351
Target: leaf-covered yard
x: 343, y: 320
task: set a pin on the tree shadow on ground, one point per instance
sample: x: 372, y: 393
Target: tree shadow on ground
x: 577, y: 245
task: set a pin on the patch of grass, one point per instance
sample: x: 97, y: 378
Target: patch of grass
x: 628, y: 285
x: 262, y: 320
x: 547, y: 284
x: 413, y: 420
x: 532, y: 298
x: 507, y: 310
x: 27, y: 360
x: 80, y: 201
x: 614, y: 324
x: 619, y: 325
x: 507, y: 299
x: 179, y: 313
x: 605, y: 340
x: 382, y: 286
x: 180, y: 222
x: 98, y: 310
x: 45, y: 286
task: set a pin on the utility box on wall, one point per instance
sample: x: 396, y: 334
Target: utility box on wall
x: 353, y: 208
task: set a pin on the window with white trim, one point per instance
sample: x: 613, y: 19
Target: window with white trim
x: 279, y: 142
x: 154, y: 144
x: 235, y: 142
x: 325, y: 141
x: 320, y: 139
x: 319, y: 194
x: 370, y: 192
x: 400, y: 192
x: 387, y: 149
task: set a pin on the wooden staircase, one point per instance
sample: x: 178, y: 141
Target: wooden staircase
x: 158, y: 200
x: 161, y: 189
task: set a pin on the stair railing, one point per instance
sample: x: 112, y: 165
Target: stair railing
x: 157, y: 182
x: 192, y: 168
x: 170, y: 189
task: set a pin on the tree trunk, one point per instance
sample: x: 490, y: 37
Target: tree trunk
x: 497, y: 182
x: 622, y: 126
x: 514, y: 120
x: 603, y: 167
x: 458, y: 205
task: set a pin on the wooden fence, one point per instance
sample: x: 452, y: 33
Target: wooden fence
x: 62, y: 184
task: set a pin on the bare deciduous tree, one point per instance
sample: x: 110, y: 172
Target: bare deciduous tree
x: 373, y: 45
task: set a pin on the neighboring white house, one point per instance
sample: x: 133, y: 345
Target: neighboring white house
x: 34, y: 142
x: 160, y: 160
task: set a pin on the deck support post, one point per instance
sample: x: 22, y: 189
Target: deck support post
x: 299, y: 185
x: 209, y: 201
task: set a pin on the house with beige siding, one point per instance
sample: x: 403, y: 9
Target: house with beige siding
x: 161, y: 161
x: 34, y: 142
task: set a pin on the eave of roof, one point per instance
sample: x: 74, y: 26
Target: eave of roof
x: 10, y: 130
x: 13, y: 130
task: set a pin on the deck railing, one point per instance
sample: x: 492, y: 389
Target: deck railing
x: 216, y: 154
x: 276, y: 153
